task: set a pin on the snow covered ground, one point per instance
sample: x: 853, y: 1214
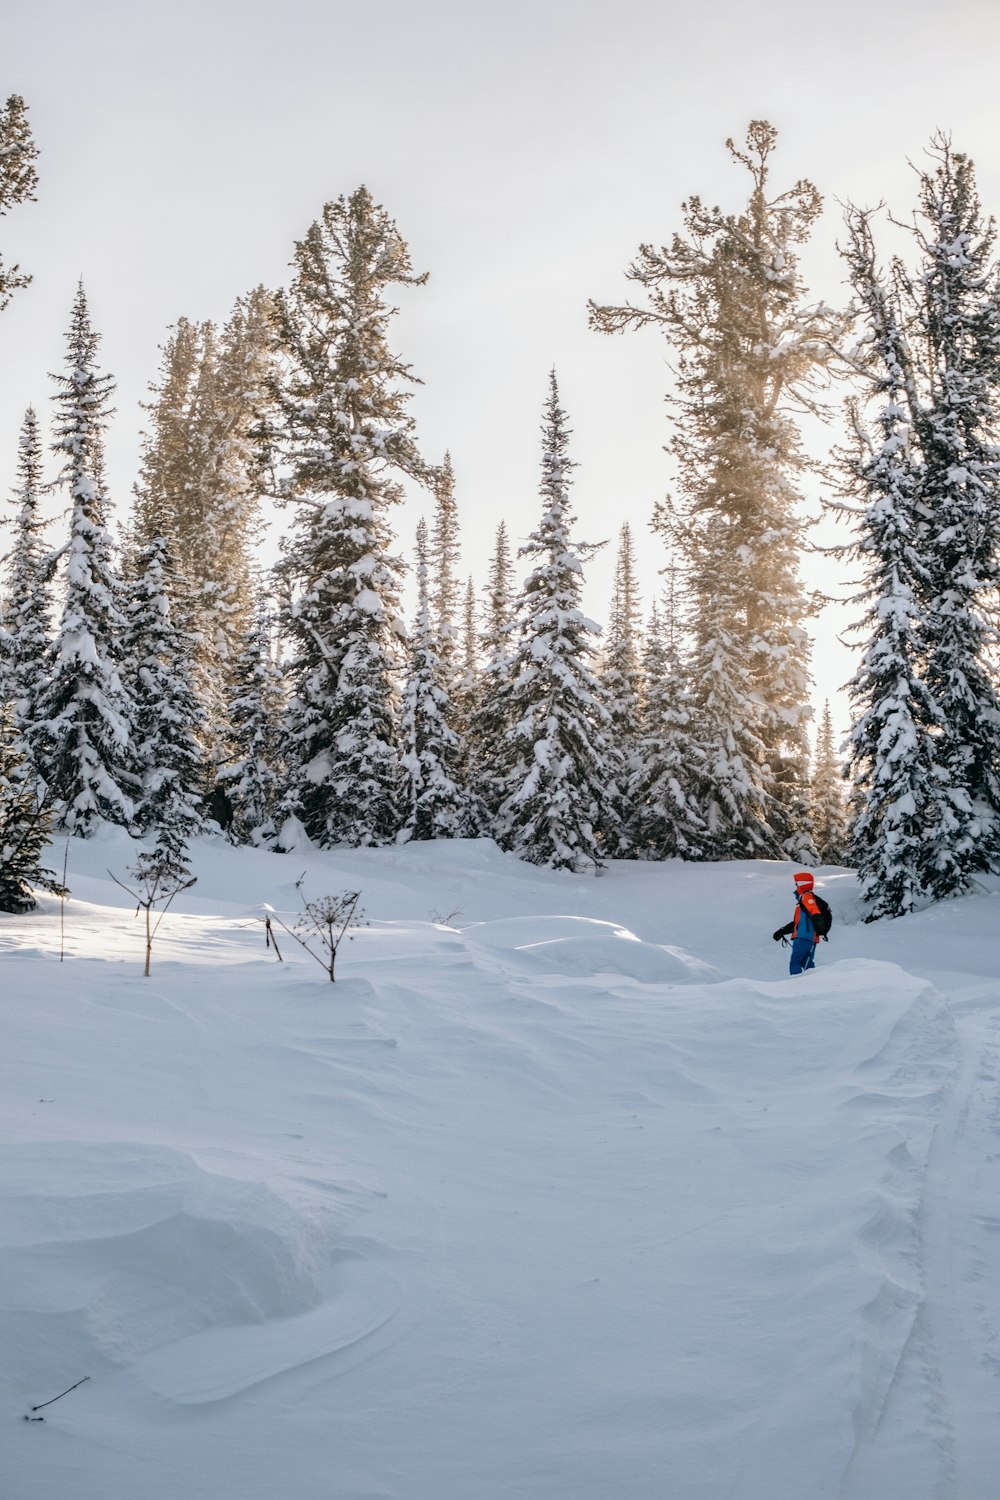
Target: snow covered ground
x: 564, y: 1191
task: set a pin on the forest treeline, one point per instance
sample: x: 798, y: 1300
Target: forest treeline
x: 160, y: 679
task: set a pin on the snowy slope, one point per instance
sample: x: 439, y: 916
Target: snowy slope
x: 564, y: 1189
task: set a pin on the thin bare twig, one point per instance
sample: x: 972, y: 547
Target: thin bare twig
x: 60, y: 1395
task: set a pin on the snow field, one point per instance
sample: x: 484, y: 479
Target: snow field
x: 528, y: 1204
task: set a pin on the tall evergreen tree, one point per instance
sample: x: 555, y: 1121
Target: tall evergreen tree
x: 829, y: 813
x: 558, y: 755
x: 85, y: 716
x: 469, y: 640
x: 729, y: 296
x: 491, y: 711
x: 254, y: 777
x: 27, y: 615
x: 904, y: 824
x: 436, y: 806
x: 18, y: 179
x: 956, y: 298
x: 201, y: 482
x: 167, y: 477
x: 500, y: 592
x: 488, y: 686
x: 620, y: 660
x: 664, y: 821
x: 444, y: 588
x: 735, y: 807
x: 219, y: 531
x: 25, y: 824
x: 465, y: 694
x: 931, y: 361
x: 664, y: 818
x: 166, y: 714
x: 344, y: 436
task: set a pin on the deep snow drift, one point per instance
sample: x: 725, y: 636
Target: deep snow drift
x: 565, y: 1190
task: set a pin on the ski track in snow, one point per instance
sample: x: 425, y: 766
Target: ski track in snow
x: 541, y: 1206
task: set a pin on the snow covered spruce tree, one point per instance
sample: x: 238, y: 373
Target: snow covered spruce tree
x: 84, y: 712
x: 201, y: 483
x: 904, y: 823
x: 829, y: 813
x: 931, y: 358
x: 25, y: 824
x: 558, y: 765
x: 254, y: 777
x: 729, y: 296
x: 166, y: 463
x: 344, y: 435
x: 18, y: 179
x: 166, y: 714
x: 664, y: 821
x: 492, y: 710
x: 621, y: 676
x: 443, y: 587
x: 466, y: 672
x: 219, y: 527
x: 27, y: 613
x: 956, y: 296
x: 468, y: 640
x: 436, y: 804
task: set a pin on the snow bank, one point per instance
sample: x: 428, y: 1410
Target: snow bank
x: 109, y: 1251
x: 577, y: 946
x: 534, y: 1201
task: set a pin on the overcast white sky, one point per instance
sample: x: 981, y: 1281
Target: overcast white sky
x: 524, y: 149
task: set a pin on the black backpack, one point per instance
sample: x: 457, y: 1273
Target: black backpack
x: 823, y: 920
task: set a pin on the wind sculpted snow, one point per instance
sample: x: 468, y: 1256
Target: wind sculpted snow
x: 565, y: 1190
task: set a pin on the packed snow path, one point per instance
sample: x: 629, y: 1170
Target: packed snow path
x: 564, y: 1189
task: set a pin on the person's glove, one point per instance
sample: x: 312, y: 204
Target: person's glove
x: 777, y: 936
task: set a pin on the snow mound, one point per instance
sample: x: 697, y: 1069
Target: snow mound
x: 221, y: 1363
x: 140, y: 1247
x: 581, y: 946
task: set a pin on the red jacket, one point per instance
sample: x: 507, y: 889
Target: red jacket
x: 806, y: 903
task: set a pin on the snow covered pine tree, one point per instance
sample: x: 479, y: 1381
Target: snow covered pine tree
x: 729, y: 296
x: 166, y: 714
x: 27, y: 609
x: 18, y: 179
x: 436, y: 802
x: 25, y: 825
x: 253, y: 778
x: 561, y: 806
x: 829, y: 812
x: 664, y: 822
x: 343, y: 433
x: 84, y: 713
x: 620, y: 672
x: 201, y: 484
x: 926, y: 470
x: 489, y: 690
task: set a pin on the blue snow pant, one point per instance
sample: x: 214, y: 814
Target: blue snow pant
x: 803, y: 954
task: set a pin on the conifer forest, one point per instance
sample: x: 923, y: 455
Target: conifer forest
x: 161, y: 671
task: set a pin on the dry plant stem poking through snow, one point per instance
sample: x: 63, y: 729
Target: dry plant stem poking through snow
x: 62, y: 905
x: 159, y: 879
x: 29, y: 1417
x: 327, y: 918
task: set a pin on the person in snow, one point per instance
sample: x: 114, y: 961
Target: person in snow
x: 810, y: 923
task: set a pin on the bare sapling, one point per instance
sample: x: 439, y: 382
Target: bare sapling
x: 328, y: 919
x: 63, y: 894
x: 159, y: 877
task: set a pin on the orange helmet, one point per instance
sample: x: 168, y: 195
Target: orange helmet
x: 803, y: 880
